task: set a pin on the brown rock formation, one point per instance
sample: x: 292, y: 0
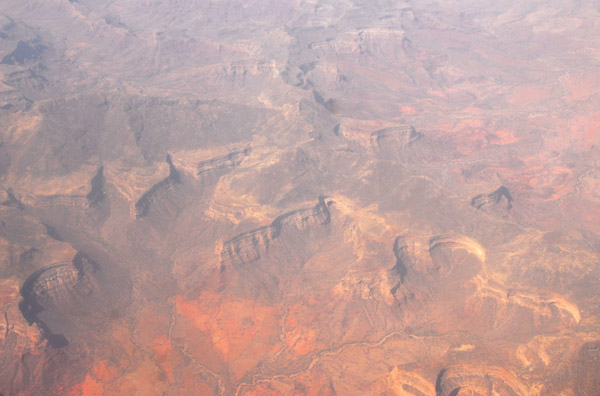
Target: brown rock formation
x: 317, y: 197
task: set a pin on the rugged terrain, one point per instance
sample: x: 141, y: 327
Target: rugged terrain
x: 299, y: 197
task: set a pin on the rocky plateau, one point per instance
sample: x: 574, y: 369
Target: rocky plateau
x: 299, y: 197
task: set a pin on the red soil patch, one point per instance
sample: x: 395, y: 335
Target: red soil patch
x: 502, y: 137
x: 582, y: 87
x: 163, y: 353
x: 93, y: 385
x: 526, y: 94
x: 8, y: 292
x: 242, y: 331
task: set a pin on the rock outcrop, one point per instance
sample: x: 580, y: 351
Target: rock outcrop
x: 426, y: 257
x: 396, y: 143
x: 12, y: 200
x: 97, y: 192
x: 478, y: 381
x: 283, y: 233
x: 58, y: 286
x: 222, y: 163
x: 403, y: 383
x: 23, y: 53
x: 159, y: 168
x: 498, y: 202
x: 142, y: 206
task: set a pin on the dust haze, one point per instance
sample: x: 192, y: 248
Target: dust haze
x: 299, y: 197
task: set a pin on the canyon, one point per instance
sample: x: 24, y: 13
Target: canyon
x: 309, y: 197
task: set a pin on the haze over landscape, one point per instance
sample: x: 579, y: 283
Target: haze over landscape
x: 320, y: 197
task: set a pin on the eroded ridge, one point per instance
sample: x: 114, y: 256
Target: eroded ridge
x: 414, y: 253
x: 143, y: 205
x: 547, y: 306
x: 408, y: 384
x: 250, y: 246
x: 12, y: 200
x: 478, y: 381
x: 395, y: 143
x: 458, y: 242
x: 402, y: 136
x: 497, y: 202
x: 409, y: 252
x: 58, y: 285
x: 224, y: 162
x: 53, y: 201
x: 97, y: 192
